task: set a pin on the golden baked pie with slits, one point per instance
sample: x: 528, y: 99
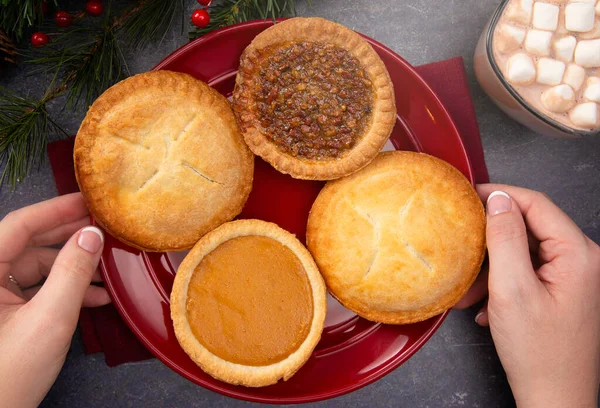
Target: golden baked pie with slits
x: 248, y: 303
x: 313, y: 99
x: 160, y: 161
x: 401, y: 240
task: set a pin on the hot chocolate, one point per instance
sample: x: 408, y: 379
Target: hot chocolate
x: 549, y: 53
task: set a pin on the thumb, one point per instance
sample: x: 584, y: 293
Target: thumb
x: 510, y: 263
x: 71, y: 274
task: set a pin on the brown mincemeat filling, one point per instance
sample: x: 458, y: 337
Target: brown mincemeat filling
x: 314, y: 100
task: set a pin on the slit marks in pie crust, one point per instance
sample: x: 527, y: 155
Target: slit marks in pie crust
x: 187, y: 126
x: 403, y: 209
x: 169, y: 142
x: 145, y: 183
x: 377, y: 227
x: 198, y: 172
x: 401, y: 214
x: 417, y: 255
x: 377, y: 230
x: 129, y: 142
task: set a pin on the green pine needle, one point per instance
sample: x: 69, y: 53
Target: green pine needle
x: 150, y: 21
x: 90, y: 60
x: 17, y: 16
x: 24, y: 129
x: 236, y: 11
x: 93, y: 69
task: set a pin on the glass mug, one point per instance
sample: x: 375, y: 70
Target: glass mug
x: 505, y: 96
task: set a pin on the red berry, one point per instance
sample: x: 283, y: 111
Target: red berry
x: 39, y: 39
x: 204, y: 2
x: 200, y: 18
x: 63, y: 19
x: 94, y: 7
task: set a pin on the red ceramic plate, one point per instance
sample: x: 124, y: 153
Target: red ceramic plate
x: 352, y: 352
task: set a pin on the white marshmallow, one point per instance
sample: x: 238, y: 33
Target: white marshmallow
x: 583, y: 1
x: 559, y: 98
x: 550, y: 71
x: 564, y: 48
x: 520, y: 69
x: 592, y: 34
x: 574, y: 76
x: 537, y: 42
x: 592, y: 89
x: 587, y: 53
x: 580, y: 17
x: 520, y: 11
x: 509, y: 38
x: 584, y: 115
x: 545, y: 16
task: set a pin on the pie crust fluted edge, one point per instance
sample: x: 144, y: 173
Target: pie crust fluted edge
x: 335, y: 282
x: 238, y: 374
x: 384, y: 105
x: 171, y: 82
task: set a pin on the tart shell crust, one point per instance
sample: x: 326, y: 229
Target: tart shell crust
x: 118, y: 140
x: 249, y: 376
x: 406, y: 272
x: 383, y: 114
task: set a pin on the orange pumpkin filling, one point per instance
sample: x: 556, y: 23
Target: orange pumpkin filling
x: 249, y: 301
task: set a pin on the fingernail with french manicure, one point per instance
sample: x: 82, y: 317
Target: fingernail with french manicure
x: 90, y: 239
x: 478, y: 317
x: 498, y: 202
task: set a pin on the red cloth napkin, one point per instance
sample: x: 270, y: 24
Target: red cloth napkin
x: 104, y: 330
x: 448, y: 79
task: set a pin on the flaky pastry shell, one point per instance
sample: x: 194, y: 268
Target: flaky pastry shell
x: 239, y: 374
x: 383, y: 109
x: 160, y: 161
x: 400, y: 241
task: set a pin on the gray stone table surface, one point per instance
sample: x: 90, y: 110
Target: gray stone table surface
x: 458, y: 366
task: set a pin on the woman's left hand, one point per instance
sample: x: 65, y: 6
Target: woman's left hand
x: 42, y: 290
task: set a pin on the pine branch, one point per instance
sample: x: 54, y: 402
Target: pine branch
x: 94, y: 69
x: 236, y: 11
x: 19, y: 15
x: 24, y: 129
x: 90, y: 60
x: 8, y: 50
x: 150, y: 20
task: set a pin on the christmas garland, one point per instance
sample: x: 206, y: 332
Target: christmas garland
x: 83, y: 52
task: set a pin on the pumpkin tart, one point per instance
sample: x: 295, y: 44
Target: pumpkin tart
x: 248, y: 303
x: 313, y: 99
x: 400, y: 241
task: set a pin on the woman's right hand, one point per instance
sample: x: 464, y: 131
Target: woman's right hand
x: 544, y: 315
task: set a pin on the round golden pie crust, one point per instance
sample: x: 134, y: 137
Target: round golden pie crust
x: 400, y: 241
x: 238, y: 374
x: 160, y: 161
x: 383, y: 111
